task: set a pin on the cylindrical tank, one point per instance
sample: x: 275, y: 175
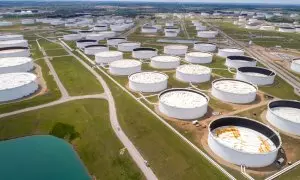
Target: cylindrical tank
x: 93, y: 49
x: 230, y: 52
x: 149, y: 29
x: 14, y: 52
x: 83, y: 43
x: 165, y: 62
x: 93, y: 36
x: 193, y: 73
x: 128, y: 46
x: 198, y: 57
x: 204, y: 47
x: 13, y: 43
x: 17, y: 85
x: 148, y: 81
x: 256, y: 75
x: 171, y: 33
x: 144, y: 53
x: 71, y: 37
x: 175, y: 49
x: 287, y: 29
x: 234, y: 91
x: 108, y: 34
x: 5, y: 23
x: 201, y: 28
x: 243, y: 141
x: 125, y: 67
x: 100, y: 28
x: 267, y: 28
x: 240, y: 61
x: 83, y: 33
x: 108, y: 57
x: 27, y: 21
x: 207, y: 34
x: 285, y: 115
x: 172, y: 28
x: 295, y: 65
x: 115, y: 41
x: 11, y: 37
x: 15, y: 64
x: 185, y: 104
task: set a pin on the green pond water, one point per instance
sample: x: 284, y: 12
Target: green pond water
x: 40, y: 157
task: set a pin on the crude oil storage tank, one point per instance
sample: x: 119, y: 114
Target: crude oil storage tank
x: 144, y: 53
x: 240, y: 61
x: 234, y: 91
x: 148, y: 81
x: 149, y: 29
x: 14, y: 52
x: 93, y: 49
x: 71, y: 37
x: 94, y: 36
x: 170, y: 33
x: 125, y: 67
x: 285, y: 115
x: 172, y: 28
x: 11, y: 37
x: 108, y: 57
x: 115, y: 41
x: 17, y: 85
x: 27, y: 21
x: 256, y: 75
x: 108, y: 34
x: 198, y: 57
x: 100, y: 28
x: 287, y: 29
x: 207, y: 34
x: 204, y: 47
x: 128, y: 46
x: 193, y: 73
x: 185, y: 104
x: 295, y: 65
x: 243, y: 141
x: 175, y: 49
x: 230, y: 52
x: 15, y: 64
x: 200, y: 28
x: 14, y: 43
x: 83, y: 33
x: 165, y: 62
x: 82, y: 43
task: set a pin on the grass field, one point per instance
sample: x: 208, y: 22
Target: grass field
x: 87, y: 122
x: 48, y: 45
x: 56, y: 52
x: 76, y: 79
x: 170, y: 157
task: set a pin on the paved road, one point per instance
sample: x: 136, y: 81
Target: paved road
x: 134, y: 153
x: 62, y: 89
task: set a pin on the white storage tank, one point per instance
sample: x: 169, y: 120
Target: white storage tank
x: 15, y: 64
x: 230, y: 52
x: 169, y: 24
x: 27, y: 21
x: 115, y: 41
x: 240, y: 61
x: 83, y: 33
x: 183, y: 104
x: 9, y: 37
x: 287, y: 29
x: 148, y: 81
x: 175, y: 49
x: 267, y: 28
x: 125, y: 67
x: 71, y: 37
x: 14, y: 52
x: 295, y: 65
x: 172, y: 28
x: 144, y: 53
x: 165, y: 62
x: 204, y: 47
x: 100, y: 28
x: 5, y: 23
x: 108, y: 34
x: 207, y: 34
x: 193, y: 73
x: 234, y: 91
x: 108, y: 57
x: 128, y: 46
x: 285, y: 115
x: 256, y: 75
x: 243, y: 141
x: 14, y: 43
x: 171, y: 33
x: 82, y: 43
x: 201, y: 28
x: 93, y: 36
x: 17, y: 85
x: 149, y: 29
x: 93, y: 49
x: 198, y: 57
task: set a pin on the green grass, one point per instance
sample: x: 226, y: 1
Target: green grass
x: 47, y: 45
x: 168, y: 155
x: 56, y: 52
x: 96, y: 143
x: 76, y: 78
x: 293, y: 174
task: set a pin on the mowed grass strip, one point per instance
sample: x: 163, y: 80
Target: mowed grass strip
x: 56, y: 52
x: 85, y: 124
x: 76, y: 78
x: 169, y: 156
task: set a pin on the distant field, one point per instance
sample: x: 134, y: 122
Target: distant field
x: 85, y: 124
x: 76, y: 78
